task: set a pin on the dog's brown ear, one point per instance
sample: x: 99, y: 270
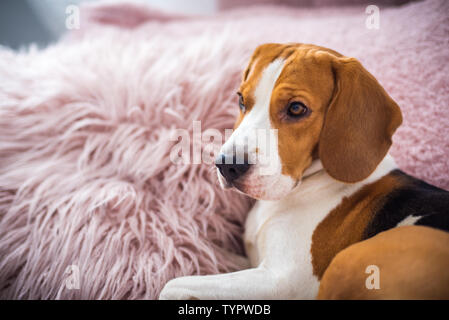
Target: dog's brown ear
x: 359, y: 123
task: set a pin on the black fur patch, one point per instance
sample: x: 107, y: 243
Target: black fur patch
x: 414, y: 198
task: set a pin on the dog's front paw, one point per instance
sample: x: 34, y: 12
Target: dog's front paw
x: 180, y: 289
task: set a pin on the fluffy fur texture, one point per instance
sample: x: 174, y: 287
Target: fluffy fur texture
x: 85, y: 175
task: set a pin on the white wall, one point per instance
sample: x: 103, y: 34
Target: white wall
x: 186, y: 6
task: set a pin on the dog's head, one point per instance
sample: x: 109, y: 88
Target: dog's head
x: 302, y: 106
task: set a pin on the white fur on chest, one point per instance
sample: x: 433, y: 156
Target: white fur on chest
x: 279, y: 233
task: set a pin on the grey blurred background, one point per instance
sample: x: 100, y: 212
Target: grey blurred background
x: 20, y: 25
x: 23, y: 22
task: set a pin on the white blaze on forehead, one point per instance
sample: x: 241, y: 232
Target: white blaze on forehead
x: 259, y: 116
x: 264, y: 88
x: 265, y: 180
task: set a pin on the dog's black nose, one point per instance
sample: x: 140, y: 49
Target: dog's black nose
x: 232, y: 168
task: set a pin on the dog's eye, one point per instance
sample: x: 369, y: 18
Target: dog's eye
x: 241, y: 104
x: 297, y: 109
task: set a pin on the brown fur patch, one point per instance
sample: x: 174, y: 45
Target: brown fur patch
x: 345, y: 225
x: 306, y: 78
x: 413, y: 263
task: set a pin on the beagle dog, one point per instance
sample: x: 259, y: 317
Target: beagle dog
x: 328, y: 183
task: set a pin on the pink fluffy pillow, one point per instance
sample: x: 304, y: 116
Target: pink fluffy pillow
x: 86, y: 184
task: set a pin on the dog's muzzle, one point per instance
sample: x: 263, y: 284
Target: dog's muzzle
x: 232, y: 168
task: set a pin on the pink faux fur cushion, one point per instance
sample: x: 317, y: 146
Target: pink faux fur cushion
x: 85, y: 127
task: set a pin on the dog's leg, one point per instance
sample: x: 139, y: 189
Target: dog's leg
x: 256, y: 283
x: 236, y: 261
